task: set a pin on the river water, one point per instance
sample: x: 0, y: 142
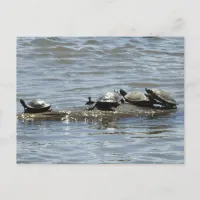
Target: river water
x: 65, y: 71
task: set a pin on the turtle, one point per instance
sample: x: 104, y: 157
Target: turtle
x: 137, y: 98
x: 35, y: 106
x: 162, y: 97
x: 109, y: 101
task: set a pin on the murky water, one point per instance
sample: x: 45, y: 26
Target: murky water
x: 65, y: 71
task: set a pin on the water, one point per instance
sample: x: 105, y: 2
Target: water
x: 65, y: 71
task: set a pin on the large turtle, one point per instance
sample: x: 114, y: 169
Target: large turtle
x: 109, y: 101
x: 137, y: 98
x: 35, y: 106
x: 162, y: 97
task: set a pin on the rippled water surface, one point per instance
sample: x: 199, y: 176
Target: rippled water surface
x: 65, y: 71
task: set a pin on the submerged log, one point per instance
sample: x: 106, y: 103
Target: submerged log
x: 82, y: 114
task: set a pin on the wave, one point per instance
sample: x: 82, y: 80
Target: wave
x: 163, y: 52
x: 91, y: 41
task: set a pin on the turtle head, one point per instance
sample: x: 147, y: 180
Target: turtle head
x: 23, y: 103
x: 149, y: 91
x: 90, y: 102
x: 122, y: 92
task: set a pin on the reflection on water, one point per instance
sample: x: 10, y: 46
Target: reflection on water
x: 65, y: 71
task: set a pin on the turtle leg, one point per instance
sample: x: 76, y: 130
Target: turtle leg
x: 91, y: 107
x: 155, y: 101
x: 112, y: 108
x: 162, y: 104
x: 122, y: 100
x: 170, y: 106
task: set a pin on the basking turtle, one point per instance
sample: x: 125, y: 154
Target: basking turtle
x: 162, y: 97
x: 137, y: 98
x: 35, y: 106
x: 108, y: 101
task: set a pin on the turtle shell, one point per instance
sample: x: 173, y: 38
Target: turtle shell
x: 110, y: 97
x: 161, y: 96
x: 136, y: 96
x: 37, y: 104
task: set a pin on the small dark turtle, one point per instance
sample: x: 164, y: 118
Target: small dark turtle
x: 90, y: 102
x: 35, y: 106
x: 108, y: 101
x: 137, y: 98
x: 162, y: 97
